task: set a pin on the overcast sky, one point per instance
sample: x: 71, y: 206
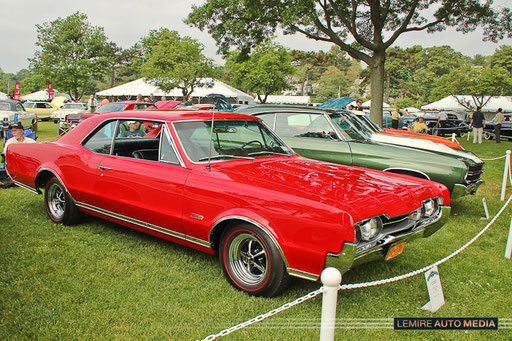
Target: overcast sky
x: 126, y: 21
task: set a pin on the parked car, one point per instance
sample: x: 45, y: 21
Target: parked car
x: 506, y: 128
x: 13, y: 112
x: 327, y: 135
x: 167, y: 104
x: 43, y: 109
x: 453, y: 125
x: 66, y: 109
x: 225, y: 184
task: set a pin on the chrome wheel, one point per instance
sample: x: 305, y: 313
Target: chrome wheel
x: 247, y: 259
x: 56, y: 200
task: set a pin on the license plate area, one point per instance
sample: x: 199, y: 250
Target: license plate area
x: 395, y: 250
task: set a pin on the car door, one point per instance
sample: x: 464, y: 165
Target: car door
x: 311, y: 135
x: 142, y: 180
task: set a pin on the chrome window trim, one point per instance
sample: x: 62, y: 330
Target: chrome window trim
x: 167, y: 132
x: 407, y: 169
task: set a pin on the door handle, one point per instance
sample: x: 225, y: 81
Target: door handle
x: 104, y: 168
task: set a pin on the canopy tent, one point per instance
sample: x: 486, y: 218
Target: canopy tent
x: 2, y: 95
x: 337, y: 103
x: 367, y: 104
x: 451, y: 103
x: 140, y: 86
x: 281, y: 99
x: 43, y: 96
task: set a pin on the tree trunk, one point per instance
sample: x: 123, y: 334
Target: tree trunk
x: 377, y: 86
x: 388, y: 81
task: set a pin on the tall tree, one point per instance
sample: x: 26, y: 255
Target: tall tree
x: 365, y: 29
x: 171, y: 61
x: 264, y: 72
x: 503, y: 57
x: 73, y: 54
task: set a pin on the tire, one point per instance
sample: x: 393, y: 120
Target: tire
x: 264, y: 275
x: 59, y: 206
x: 488, y: 135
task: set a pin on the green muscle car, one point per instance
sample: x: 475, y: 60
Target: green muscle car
x: 329, y: 135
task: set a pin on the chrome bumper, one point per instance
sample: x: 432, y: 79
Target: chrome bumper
x: 460, y: 190
x: 348, y: 257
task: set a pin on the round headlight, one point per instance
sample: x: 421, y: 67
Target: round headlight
x: 430, y: 207
x: 416, y: 215
x: 370, y: 228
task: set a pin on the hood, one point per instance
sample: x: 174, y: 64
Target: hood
x: 58, y: 101
x: 423, y: 144
x: 361, y: 192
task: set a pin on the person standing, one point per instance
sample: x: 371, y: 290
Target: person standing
x: 139, y: 98
x: 152, y: 98
x: 104, y: 101
x: 441, y: 121
x: 477, y: 122
x: 498, y: 120
x: 92, y: 104
x: 188, y: 101
x: 359, y: 105
x: 395, y: 118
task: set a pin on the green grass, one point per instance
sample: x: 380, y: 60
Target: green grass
x: 100, y: 280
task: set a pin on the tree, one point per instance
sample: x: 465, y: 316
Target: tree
x: 332, y: 84
x: 264, y: 72
x: 73, y: 54
x: 480, y: 83
x: 171, y: 61
x: 503, y: 57
x: 365, y: 29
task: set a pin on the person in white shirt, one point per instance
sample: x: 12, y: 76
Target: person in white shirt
x: 17, y: 136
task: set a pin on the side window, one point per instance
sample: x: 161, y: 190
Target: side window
x: 269, y: 119
x: 101, y: 141
x: 303, y: 125
x: 137, y: 139
x: 167, y: 153
x: 134, y: 129
x: 47, y: 106
x: 19, y: 107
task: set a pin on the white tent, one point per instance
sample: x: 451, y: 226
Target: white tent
x: 275, y: 99
x: 140, y: 86
x: 367, y: 104
x: 2, y: 95
x: 450, y: 103
x: 43, y: 95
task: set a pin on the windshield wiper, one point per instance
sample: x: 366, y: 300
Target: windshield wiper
x: 216, y: 157
x: 267, y: 152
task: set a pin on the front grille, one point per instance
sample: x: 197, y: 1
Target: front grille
x: 474, y: 173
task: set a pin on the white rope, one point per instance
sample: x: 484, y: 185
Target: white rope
x: 356, y: 285
x: 496, y: 158
x: 417, y: 272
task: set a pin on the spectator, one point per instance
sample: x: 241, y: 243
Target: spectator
x: 152, y: 98
x: 351, y: 107
x: 104, y: 101
x: 498, y: 120
x: 359, y: 105
x: 477, y: 122
x: 92, y: 104
x: 139, y: 98
x: 133, y: 130
x: 441, y: 120
x: 17, y: 136
x: 419, y: 126
x: 395, y: 118
x: 188, y: 101
x: 163, y: 98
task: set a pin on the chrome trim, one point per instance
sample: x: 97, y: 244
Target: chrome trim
x: 406, y: 169
x: 348, y: 258
x: 254, y: 222
x: 302, y: 274
x: 17, y: 183
x: 58, y: 178
x: 460, y: 190
x: 167, y: 133
x: 145, y: 225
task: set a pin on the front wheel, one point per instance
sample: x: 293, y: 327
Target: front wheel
x: 251, y: 261
x: 59, y: 206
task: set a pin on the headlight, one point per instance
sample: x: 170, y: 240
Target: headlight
x: 430, y: 206
x: 416, y: 215
x: 369, y: 229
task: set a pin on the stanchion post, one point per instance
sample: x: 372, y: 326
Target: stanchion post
x: 505, y: 175
x: 331, y: 279
x: 469, y: 133
x: 453, y: 137
x: 508, y: 250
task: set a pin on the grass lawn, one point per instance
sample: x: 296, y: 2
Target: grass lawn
x: 99, y: 280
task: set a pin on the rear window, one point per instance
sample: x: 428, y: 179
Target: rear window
x: 4, y: 106
x: 111, y: 107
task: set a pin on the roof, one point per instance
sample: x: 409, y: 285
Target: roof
x: 3, y: 95
x: 451, y: 103
x: 276, y: 99
x: 140, y: 86
x: 337, y: 103
x: 43, y: 95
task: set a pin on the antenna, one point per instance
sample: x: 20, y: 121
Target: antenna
x: 211, y: 138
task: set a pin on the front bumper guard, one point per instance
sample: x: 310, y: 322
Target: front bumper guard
x: 348, y: 258
x: 460, y: 190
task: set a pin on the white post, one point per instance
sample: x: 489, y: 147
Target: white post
x: 505, y: 175
x: 453, y: 137
x: 508, y: 250
x: 469, y: 133
x: 331, y: 279
x: 485, y: 209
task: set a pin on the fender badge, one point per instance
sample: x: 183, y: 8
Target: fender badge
x: 197, y: 216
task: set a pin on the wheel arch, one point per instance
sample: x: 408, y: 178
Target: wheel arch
x: 42, y: 177
x: 408, y: 171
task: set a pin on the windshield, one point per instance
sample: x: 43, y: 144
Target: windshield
x: 369, y: 123
x: 231, y: 139
x: 352, y: 126
x: 109, y: 107
x: 72, y: 106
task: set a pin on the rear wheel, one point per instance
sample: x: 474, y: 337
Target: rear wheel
x: 251, y: 261
x: 58, y: 203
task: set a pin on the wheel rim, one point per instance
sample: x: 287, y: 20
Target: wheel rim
x: 248, y: 260
x: 56, y: 201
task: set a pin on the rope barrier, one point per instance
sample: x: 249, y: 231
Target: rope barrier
x: 358, y: 285
x: 496, y: 158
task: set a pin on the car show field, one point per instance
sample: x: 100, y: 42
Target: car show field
x: 100, y: 280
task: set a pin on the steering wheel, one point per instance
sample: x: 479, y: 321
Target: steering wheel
x: 251, y: 142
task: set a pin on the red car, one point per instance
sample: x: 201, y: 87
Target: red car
x: 231, y: 189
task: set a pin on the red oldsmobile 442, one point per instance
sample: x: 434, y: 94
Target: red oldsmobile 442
x: 225, y: 184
